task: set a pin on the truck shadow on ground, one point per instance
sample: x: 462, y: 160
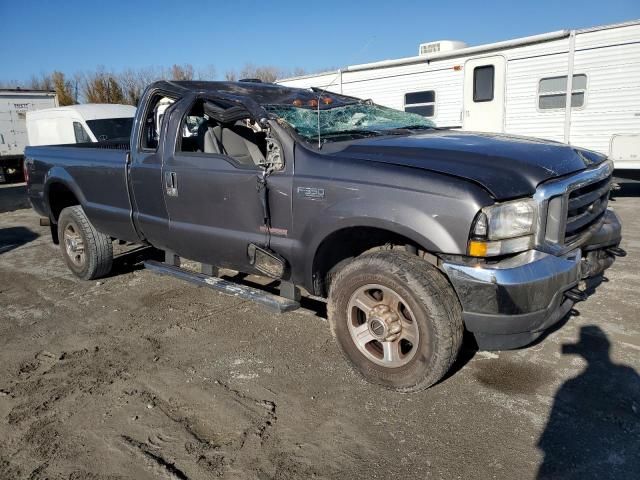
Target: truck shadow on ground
x: 13, y: 197
x: 593, y: 430
x: 133, y: 259
x: 14, y: 237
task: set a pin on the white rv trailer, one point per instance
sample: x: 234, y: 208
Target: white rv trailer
x: 14, y: 105
x: 516, y: 86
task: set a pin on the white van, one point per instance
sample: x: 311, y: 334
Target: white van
x: 85, y: 123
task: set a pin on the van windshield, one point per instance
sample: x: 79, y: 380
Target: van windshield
x: 358, y: 119
x: 111, y: 128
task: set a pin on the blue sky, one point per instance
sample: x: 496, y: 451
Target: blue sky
x: 74, y: 36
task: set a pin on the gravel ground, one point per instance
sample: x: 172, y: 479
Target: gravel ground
x: 139, y: 376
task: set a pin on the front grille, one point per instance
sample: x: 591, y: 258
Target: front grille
x: 585, y: 207
x: 571, y: 208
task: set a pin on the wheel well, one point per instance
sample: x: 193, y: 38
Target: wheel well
x: 60, y: 197
x: 350, y: 242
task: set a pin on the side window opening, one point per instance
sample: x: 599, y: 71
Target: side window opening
x: 552, y: 92
x: 483, y: 83
x: 153, y: 121
x: 80, y: 133
x: 242, y: 140
x: 423, y: 103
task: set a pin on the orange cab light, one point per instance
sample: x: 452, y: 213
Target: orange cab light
x: 297, y: 102
x: 327, y: 100
x: 313, y: 102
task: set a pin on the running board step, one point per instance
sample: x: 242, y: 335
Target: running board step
x: 269, y: 300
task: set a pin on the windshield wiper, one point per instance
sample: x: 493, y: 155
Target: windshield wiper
x: 417, y: 127
x: 337, y: 133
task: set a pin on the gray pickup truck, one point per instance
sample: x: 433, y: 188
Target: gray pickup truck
x: 412, y: 233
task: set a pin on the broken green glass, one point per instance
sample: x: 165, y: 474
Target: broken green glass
x: 355, y: 119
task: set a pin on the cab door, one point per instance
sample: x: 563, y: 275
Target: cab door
x: 213, y: 202
x: 484, y: 92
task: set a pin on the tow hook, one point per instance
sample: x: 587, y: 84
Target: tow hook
x: 576, y: 295
x: 616, y: 251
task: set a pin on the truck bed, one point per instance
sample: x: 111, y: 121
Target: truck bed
x: 84, y: 170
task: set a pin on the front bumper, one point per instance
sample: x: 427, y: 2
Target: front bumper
x: 510, y: 303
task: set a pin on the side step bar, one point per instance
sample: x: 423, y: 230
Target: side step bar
x: 273, y: 302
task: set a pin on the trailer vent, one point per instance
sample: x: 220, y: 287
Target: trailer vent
x: 440, y: 47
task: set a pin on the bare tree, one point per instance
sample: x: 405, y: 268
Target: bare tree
x: 182, y: 72
x: 266, y: 73
x: 63, y: 88
x: 41, y: 82
x: 102, y: 87
x: 9, y: 84
x: 131, y: 86
x: 298, y: 72
x: 206, y: 73
x: 127, y: 86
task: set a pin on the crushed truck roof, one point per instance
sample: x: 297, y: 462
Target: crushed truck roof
x: 261, y: 93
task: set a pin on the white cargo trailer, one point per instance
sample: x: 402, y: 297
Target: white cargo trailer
x: 517, y: 86
x: 14, y: 105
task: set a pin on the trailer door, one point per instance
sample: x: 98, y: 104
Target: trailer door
x: 484, y: 86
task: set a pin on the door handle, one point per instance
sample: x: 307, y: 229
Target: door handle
x: 171, y: 183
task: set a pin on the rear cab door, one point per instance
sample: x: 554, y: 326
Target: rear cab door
x: 145, y: 168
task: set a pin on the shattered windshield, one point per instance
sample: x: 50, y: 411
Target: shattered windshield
x: 357, y: 119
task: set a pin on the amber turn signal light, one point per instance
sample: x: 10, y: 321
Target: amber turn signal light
x: 477, y: 249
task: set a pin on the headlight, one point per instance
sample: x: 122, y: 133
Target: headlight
x: 503, y: 228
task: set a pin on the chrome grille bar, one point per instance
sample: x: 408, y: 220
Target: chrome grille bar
x: 570, y: 209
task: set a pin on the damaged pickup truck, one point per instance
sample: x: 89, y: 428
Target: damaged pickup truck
x: 412, y: 233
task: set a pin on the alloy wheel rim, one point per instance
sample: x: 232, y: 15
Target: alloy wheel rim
x: 382, y: 326
x: 74, y: 245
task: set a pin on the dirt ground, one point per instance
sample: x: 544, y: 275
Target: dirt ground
x: 139, y: 376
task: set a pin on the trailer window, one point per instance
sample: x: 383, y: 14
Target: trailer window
x: 552, y: 92
x: 80, y: 133
x: 483, y: 79
x: 423, y: 103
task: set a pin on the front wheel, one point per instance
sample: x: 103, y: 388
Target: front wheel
x: 87, y: 252
x: 396, y: 319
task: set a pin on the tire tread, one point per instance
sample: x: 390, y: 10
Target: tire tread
x: 99, y: 247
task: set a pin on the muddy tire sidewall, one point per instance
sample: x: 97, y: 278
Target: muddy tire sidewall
x: 429, y: 296
x: 98, y: 247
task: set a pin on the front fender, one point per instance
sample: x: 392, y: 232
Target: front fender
x: 432, y: 231
x: 424, y: 229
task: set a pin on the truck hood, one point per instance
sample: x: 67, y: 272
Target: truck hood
x: 506, y: 166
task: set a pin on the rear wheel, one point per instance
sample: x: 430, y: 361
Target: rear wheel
x: 396, y: 319
x: 87, y: 252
